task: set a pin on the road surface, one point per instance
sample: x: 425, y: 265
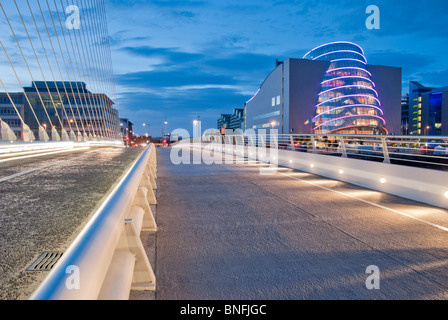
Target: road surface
x: 45, y: 202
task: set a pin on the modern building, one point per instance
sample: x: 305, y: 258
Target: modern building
x: 13, y: 113
x: 126, y: 129
x: 237, y: 119
x: 63, y: 109
x: 405, y: 114
x: 224, y: 121
x: 231, y: 121
x: 332, y: 89
x: 427, y: 110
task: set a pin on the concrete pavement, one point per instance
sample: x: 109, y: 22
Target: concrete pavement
x: 226, y: 232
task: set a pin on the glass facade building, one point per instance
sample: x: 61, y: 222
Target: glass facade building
x: 348, y: 102
x: 427, y: 113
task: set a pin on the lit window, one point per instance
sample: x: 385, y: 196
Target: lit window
x: 273, y: 102
x: 278, y: 100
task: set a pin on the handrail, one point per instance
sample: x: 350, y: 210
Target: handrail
x: 84, y: 269
x: 427, y: 151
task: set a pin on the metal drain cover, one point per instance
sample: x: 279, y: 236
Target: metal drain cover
x: 45, y: 262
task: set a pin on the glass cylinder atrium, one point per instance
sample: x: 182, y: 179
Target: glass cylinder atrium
x: 348, y: 102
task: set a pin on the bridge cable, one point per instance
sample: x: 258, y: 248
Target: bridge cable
x: 59, y: 69
x: 72, y: 91
x: 106, y: 114
x: 87, y: 62
x: 40, y: 67
x: 26, y: 63
x: 78, y: 96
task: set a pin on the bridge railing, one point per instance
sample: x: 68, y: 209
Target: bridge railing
x: 108, y: 260
x: 423, y: 151
x: 406, y: 166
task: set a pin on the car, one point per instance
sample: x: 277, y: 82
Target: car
x: 440, y: 151
x: 427, y: 150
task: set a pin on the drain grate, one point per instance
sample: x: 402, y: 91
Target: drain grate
x: 45, y: 262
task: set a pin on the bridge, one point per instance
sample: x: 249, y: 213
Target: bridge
x: 246, y: 216
x: 246, y: 228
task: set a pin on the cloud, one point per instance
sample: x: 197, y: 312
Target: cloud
x: 433, y: 79
x: 169, y: 55
x: 170, y: 79
x: 190, y: 57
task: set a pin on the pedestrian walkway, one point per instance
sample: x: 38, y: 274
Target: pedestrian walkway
x: 227, y: 232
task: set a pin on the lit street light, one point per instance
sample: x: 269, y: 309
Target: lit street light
x: 147, y: 128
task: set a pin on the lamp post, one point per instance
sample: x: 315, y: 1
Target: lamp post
x: 147, y: 128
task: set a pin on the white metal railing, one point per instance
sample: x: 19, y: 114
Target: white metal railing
x: 423, y: 151
x: 108, y: 260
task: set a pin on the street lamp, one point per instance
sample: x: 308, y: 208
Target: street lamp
x: 147, y: 129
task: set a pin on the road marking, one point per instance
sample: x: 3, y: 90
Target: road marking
x: 44, y: 154
x: 259, y: 163
x: 41, y: 168
x: 361, y: 200
x: 368, y: 202
x: 24, y: 153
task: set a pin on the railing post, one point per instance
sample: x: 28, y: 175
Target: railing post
x: 251, y: 141
x: 313, y: 144
x: 385, y: 150
x: 343, y: 148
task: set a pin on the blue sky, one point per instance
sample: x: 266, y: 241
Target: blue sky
x: 175, y: 60
x: 182, y: 59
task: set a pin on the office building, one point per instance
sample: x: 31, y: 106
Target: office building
x: 13, y: 113
x: 224, y: 121
x: 126, y: 129
x: 332, y: 89
x: 428, y: 110
x: 405, y: 114
x: 232, y: 121
x: 65, y: 110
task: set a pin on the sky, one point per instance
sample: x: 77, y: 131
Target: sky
x: 177, y: 60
